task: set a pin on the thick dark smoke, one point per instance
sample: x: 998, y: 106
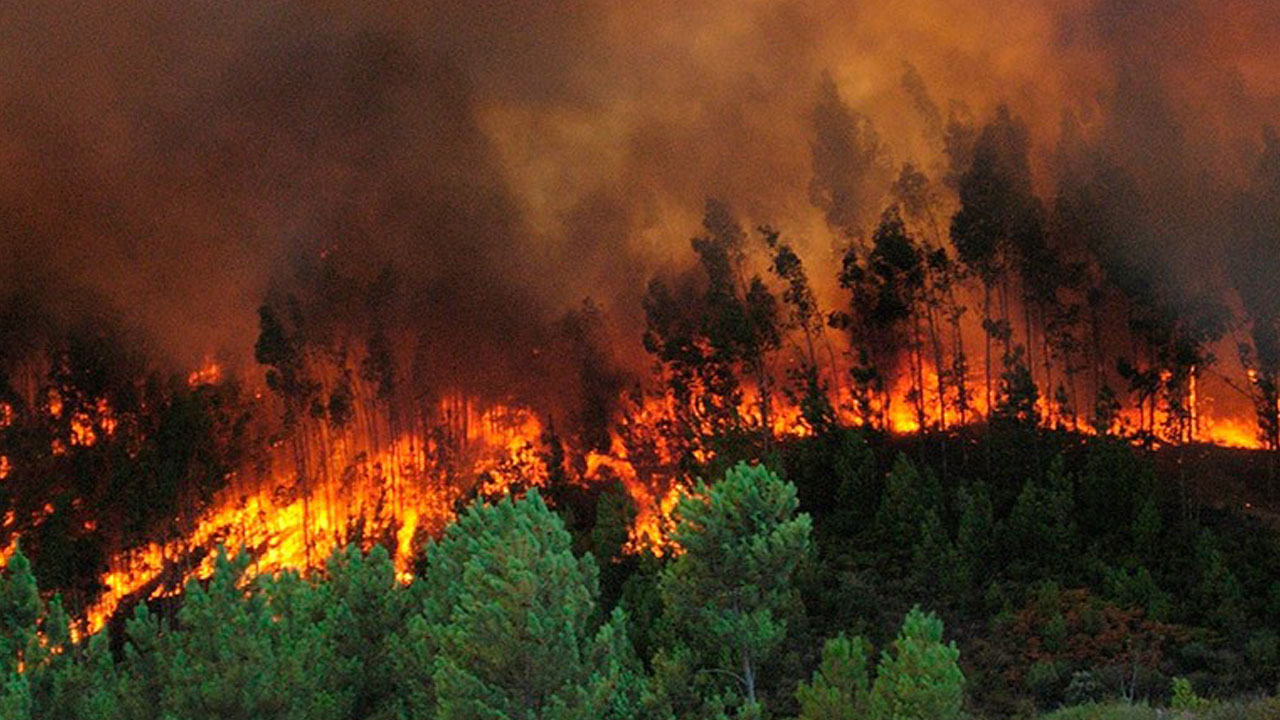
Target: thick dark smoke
x: 174, y: 162
x: 170, y: 162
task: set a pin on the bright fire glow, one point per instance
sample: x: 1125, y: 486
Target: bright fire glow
x: 208, y: 374
x: 398, y: 494
x: 331, y: 486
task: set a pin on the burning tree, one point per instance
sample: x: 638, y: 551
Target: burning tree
x: 998, y: 228
x: 885, y: 288
x: 705, y: 338
x: 1255, y: 261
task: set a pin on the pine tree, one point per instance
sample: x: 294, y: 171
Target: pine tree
x: 245, y: 653
x: 1040, y: 527
x: 81, y: 682
x: 507, y: 610
x: 940, y: 570
x: 15, y: 697
x: 616, y: 687
x: 369, y: 609
x: 142, y: 675
x: 1217, y: 593
x: 728, y: 592
x: 839, y: 688
x: 20, y: 609
x: 908, y: 494
x: 975, y: 538
x: 919, y: 678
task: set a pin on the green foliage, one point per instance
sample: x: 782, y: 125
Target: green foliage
x: 15, y: 697
x: 1217, y: 591
x: 1184, y: 697
x: 1045, y: 680
x: 728, y: 593
x: 1262, y: 709
x: 940, y: 569
x: 1040, y: 529
x: 838, y: 690
x: 1083, y: 688
x: 617, y: 687
x: 506, y: 611
x: 975, y: 538
x: 835, y: 473
x: 369, y: 610
x: 1146, y: 530
x: 907, y: 493
x: 1137, y: 588
x: 1100, y: 711
x: 251, y: 653
x: 20, y: 608
x: 919, y: 678
x: 505, y: 621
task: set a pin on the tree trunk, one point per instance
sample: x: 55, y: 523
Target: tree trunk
x: 748, y: 673
x: 937, y: 366
x: 918, y: 350
x: 986, y: 331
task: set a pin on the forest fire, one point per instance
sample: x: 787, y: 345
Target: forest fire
x: 437, y: 360
x: 349, y: 475
x: 467, y: 286
x: 399, y: 495
x: 348, y: 471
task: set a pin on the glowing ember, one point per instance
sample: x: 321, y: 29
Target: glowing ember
x: 82, y: 430
x: 209, y: 374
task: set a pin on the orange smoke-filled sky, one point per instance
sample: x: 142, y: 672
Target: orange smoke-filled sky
x: 169, y: 160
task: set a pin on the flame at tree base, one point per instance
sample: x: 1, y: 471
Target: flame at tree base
x: 397, y: 495
x: 333, y: 487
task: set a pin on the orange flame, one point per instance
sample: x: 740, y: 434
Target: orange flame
x: 331, y: 486
x: 208, y: 374
x: 394, y: 494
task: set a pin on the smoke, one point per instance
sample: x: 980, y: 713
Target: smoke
x: 170, y: 162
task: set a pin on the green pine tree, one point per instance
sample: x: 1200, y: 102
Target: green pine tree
x: 1040, y: 527
x: 15, y: 697
x: 20, y: 610
x: 728, y: 592
x: 507, y: 611
x: 616, y: 687
x: 975, y: 538
x: 369, y: 610
x: 838, y: 690
x: 244, y: 652
x: 908, y: 494
x: 80, y: 682
x: 919, y: 678
x: 940, y: 570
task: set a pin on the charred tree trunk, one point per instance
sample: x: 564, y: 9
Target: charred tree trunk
x: 986, y: 331
x: 938, y: 368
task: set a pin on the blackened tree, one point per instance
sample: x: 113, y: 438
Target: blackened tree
x: 1257, y: 234
x: 999, y: 222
